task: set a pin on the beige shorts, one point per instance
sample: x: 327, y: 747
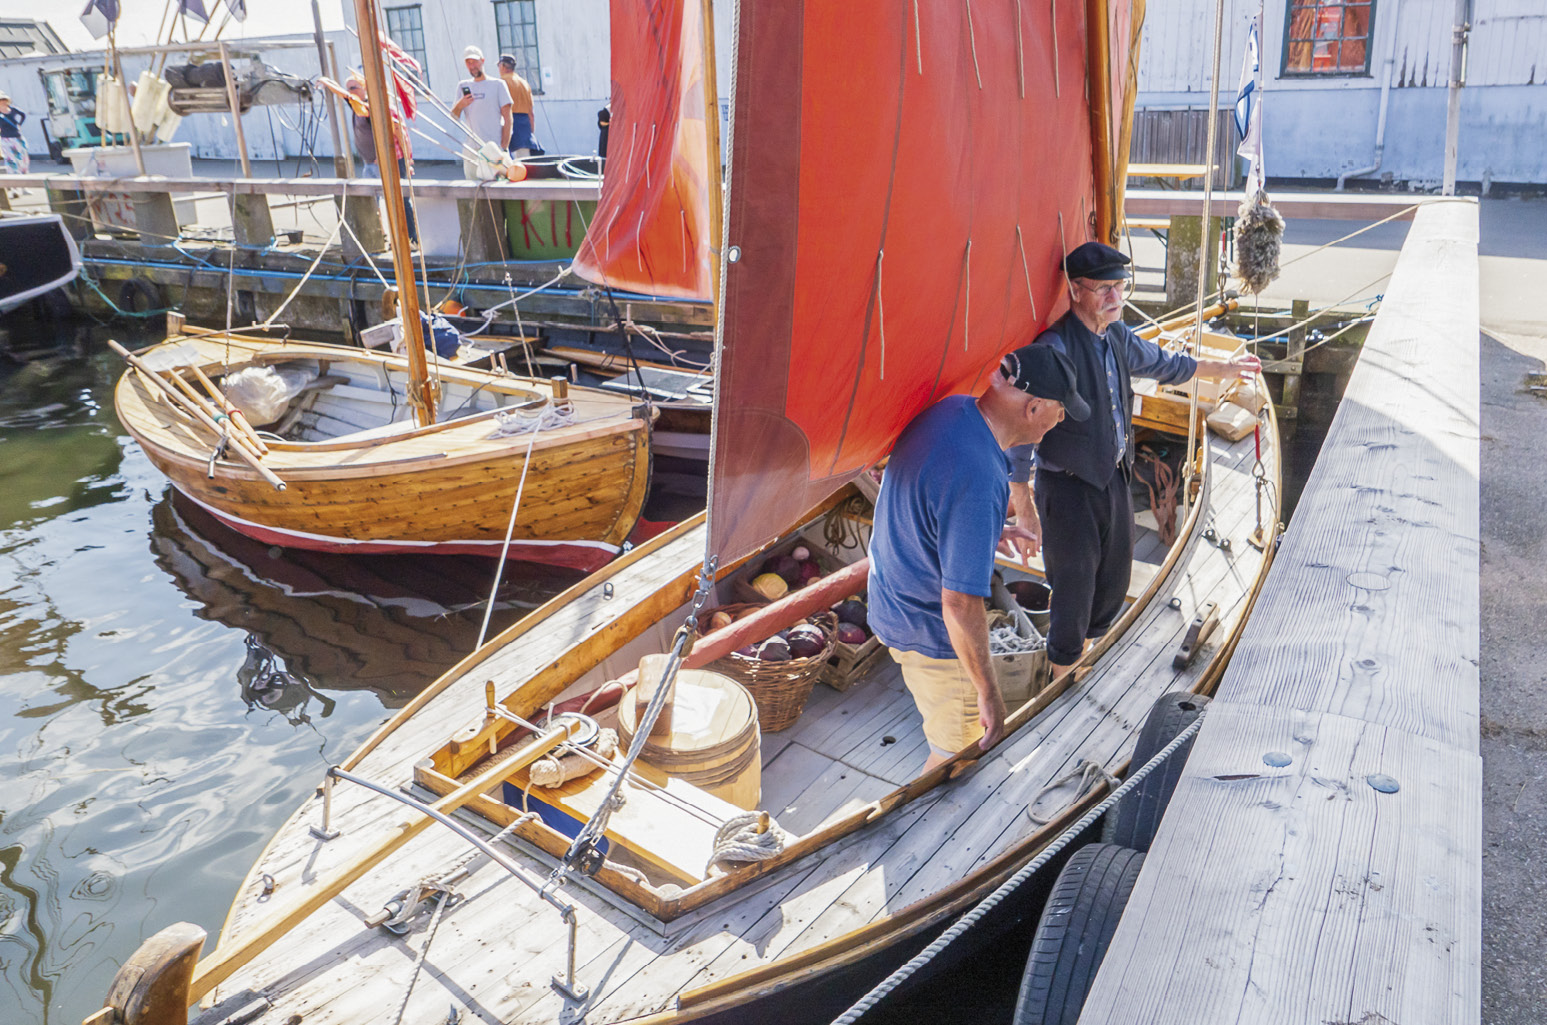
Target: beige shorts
x: 945, y: 697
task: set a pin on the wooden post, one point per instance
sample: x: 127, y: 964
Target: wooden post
x: 252, y: 222
x: 364, y: 219
x: 71, y: 203
x: 712, y: 153
x: 1294, y: 358
x: 1185, y: 238
x: 236, y: 111
x: 483, y: 228
x: 155, y: 218
x: 340, y: 147
x: 348, y: 151
x: 152, y: 986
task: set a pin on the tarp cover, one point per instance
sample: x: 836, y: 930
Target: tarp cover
x: 650, y: 232
x: 905, y: 179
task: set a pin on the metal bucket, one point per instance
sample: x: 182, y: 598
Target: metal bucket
x: 1037, y: 599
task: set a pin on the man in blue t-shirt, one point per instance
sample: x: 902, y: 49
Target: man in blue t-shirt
x: 938, y: 520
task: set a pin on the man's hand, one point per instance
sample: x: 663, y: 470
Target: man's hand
x: 991, y: 715
x: 1245, y: 366
x: 458, y: 107
x: 1018, y: 542
x: 1024, y: 509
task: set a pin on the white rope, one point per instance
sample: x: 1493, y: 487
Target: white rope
x: 309, y: 271
x: 1006, y: 640
x: 918, y: 36
x: 1020, y: 55
x: 967, y: 302
x: 972, y: 40
x: 510, y: 529
x: 515, y: 422
x: 738, y: 840
x: 1026, y: 270
x: 1058, y: 85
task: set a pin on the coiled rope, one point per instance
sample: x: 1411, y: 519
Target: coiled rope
x: 737, y: 839
x: 971, y: 918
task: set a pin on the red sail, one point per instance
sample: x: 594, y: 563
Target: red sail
x: 650, y: 232
x: 905, y: 178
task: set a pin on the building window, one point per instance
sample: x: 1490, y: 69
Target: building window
x: 1328, y: 37
x: 515, y: 26
x: 406, y: 28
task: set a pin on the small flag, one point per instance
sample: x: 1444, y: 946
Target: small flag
x: 100, y: 16
x: 1248, y: 106
x: 238, y: 9
x: 193, y: 9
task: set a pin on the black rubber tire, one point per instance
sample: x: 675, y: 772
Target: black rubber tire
x: 1136, y: 818
x: 1074, y: 932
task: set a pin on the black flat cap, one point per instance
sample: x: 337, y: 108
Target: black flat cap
x: 1043, y: 371
x: 1097, y: 262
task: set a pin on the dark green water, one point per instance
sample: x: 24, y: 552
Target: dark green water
x: 169, y: 691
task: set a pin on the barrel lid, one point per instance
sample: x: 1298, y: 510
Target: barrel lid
x: 708, y: 711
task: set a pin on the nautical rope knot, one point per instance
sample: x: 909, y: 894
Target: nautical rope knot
x: 1088, y: 774
x: 544, y: 418
x: 738, y: 839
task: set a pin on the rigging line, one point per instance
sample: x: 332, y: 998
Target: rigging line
x: 918, y: 37
x: 1361, y: 231
x: 973, y: 42
x: 967, y: 303
x: 305, y: 277
x: 1058, y: 85
x: 881, y: 310
x: 1020, y: 52
x: 1026, y: 271
x: 510, y: 529
x: 1319, y: 311
x: 1203, y: 250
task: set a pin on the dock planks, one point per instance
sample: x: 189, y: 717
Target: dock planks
x: 1302, y: 893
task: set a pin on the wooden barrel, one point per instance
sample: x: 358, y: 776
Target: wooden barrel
x: 714, y: 741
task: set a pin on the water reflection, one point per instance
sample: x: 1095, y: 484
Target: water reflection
x: 169, y: 691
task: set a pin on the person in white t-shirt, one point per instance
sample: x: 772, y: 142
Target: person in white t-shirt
x: 484, y: 106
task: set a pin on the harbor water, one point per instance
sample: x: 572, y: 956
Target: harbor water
x: 169, y: 690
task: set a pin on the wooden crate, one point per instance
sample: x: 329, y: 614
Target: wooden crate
x: 850, y: 663
x: 738, y: 588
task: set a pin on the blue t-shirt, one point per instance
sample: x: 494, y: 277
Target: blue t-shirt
x: 937, y: 522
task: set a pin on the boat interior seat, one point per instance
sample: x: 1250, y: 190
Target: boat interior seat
x: 387, y: 430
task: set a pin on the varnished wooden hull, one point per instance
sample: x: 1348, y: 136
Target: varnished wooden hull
x: 447, y: 489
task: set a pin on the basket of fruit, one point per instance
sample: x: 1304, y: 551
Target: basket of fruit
x: 855, y: 648
x: 787, y: 568
x: 780, y: 670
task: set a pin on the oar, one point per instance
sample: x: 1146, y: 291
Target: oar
x: 221, y: 963
x: 208, y: 421
x: 237, y: 416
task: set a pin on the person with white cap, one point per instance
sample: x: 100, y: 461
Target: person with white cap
x: 13, y: 148
x: 486, y: 104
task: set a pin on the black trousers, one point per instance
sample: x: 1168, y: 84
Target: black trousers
x: 1087, y: 547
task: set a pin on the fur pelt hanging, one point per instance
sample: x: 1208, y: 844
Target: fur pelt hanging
x: 1259, y: 233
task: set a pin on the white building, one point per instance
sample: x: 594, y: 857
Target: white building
x: 1337, y: 72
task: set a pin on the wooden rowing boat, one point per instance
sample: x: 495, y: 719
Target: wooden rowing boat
x: 360, y: 476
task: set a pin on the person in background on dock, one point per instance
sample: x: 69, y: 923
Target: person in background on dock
x: 486, y: 103
x: 365, y: 143
x: 522, y: 142
x: 1081, y: 509
x: 938, y: 521
x: 13, y: 148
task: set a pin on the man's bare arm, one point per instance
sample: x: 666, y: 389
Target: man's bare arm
x: 966, y: 620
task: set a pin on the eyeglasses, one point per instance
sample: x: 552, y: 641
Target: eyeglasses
x: 1107, y: 290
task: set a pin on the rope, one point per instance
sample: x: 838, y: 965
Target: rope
x: 517, y: 422
x: 993, y: 900
x: 305, y: 277
x: 441, y: 900
x: 1203, y: 248
x: 510, y: 528
x: 1088, y: 774
x: 738, y: 840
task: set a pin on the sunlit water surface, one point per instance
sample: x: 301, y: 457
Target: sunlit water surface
x: 169, y: 690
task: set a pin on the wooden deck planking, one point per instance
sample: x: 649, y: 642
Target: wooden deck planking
x: 1303, y: 894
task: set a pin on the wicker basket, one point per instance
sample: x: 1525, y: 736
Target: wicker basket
x: 779, y: 688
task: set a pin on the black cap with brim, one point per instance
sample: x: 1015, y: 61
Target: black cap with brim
x: 1097, y: 262
x: 1046, y: 373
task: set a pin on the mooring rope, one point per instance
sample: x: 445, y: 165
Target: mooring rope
x: 737, y: 839
x: 993, y: 900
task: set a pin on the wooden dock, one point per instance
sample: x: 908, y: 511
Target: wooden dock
x: 1346, y: 885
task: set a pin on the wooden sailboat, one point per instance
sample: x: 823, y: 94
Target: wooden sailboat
x: 637, y: 915
x: 374, y: 454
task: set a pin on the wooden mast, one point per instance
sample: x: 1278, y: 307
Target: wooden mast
x: 1098, y: 70
x: 420, y: 396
